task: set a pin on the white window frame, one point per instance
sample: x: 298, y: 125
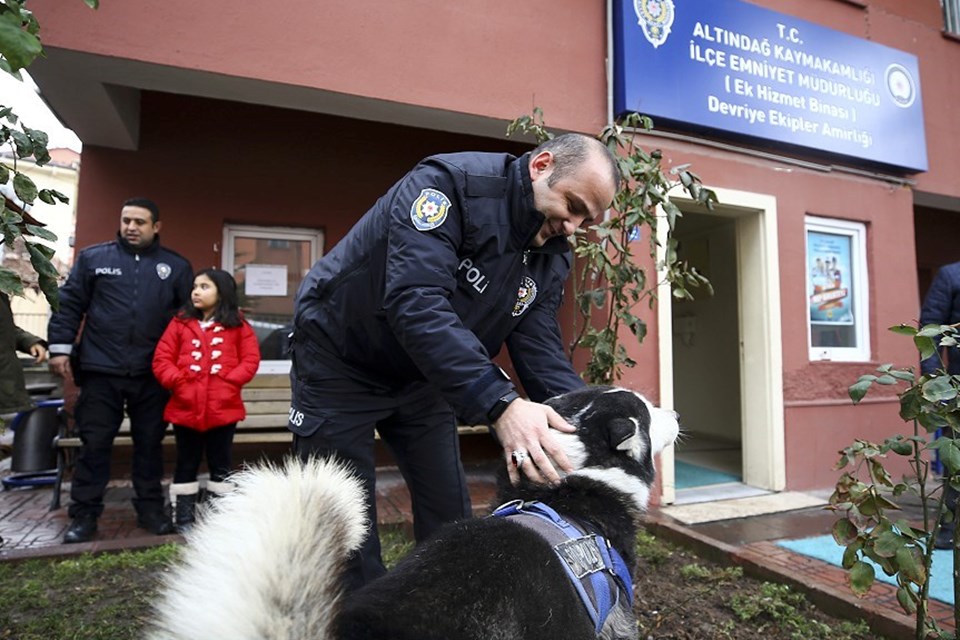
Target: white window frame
x: 857, y: 232
x: 951, y: 16
x: 231, y: 231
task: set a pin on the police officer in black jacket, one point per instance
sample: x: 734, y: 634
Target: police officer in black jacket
x: 395, y: 328
x: 124, y: 293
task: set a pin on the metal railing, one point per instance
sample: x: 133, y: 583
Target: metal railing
x: 951, y: 15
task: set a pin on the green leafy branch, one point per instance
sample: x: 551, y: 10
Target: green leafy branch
x: 609, y: 280
x: 19, y: 47
x: 870, y: 528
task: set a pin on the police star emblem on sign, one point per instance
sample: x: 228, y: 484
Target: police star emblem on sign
x: 525, y: 296
x: 655, y: 17
x: 429, y: 210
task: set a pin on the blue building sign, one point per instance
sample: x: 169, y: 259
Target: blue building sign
x: 737, y: 68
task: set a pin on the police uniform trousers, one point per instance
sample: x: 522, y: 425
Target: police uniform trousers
x: 99, y: 412
x: 338, y: 415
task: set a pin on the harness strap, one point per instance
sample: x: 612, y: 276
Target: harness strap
x: 571, y: 539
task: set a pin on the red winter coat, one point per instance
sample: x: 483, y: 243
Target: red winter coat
x: 205, y: 370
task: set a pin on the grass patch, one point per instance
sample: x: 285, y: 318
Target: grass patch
x: 786, y: 609
x: 105, y: 597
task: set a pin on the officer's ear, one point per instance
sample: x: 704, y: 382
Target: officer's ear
x: 157, y: 225
x: 541, y: 165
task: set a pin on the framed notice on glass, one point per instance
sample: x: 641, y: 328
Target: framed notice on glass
x: 836, y: 292
x: 830, y: 288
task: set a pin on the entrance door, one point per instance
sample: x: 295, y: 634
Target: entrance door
x: 268, y: 264
x: 721, y: 365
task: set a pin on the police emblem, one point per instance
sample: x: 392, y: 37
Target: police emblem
x: 901, y: 86
x: 164, y: 270
x: 429, y: 210
x: 655, y: 17
x: 525, y: 296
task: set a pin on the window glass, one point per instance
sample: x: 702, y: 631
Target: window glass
x: 837, y: 315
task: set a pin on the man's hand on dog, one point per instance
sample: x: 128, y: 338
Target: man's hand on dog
x: 525, y: 426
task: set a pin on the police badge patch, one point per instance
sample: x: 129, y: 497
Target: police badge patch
x: 525, y: 296
x: 163, y: 270
x: 656, y: 18
x: 429, y: 210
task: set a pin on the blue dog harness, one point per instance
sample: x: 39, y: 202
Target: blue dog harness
x: 595, y: 569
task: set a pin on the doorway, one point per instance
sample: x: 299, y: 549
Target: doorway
x: 721, y: 366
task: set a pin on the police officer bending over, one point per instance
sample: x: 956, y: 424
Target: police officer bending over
x: 395, y: 328
x: 124, y: 292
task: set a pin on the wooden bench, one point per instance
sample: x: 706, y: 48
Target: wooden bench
x: 267, y: 399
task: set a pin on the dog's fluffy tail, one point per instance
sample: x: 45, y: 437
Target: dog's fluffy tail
x: 266, y: 560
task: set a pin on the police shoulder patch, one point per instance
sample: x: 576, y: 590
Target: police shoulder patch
x: 525, y: 296
x: 429, y: 210
x: 163, y: 270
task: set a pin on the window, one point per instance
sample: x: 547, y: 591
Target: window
x: 268, y: 264
x: 839, y: 325
x: 951, y: 15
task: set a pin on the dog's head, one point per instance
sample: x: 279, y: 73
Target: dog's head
x: 618, y: 434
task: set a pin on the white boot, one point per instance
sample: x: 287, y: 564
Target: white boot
x: 215, y: 491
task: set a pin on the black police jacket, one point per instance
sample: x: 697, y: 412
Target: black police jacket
x: 435, y: 278
x: 125, y: 299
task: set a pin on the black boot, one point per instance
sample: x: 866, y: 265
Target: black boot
x: 155, y: 520
x: 82, y: 529
x: 183, y: 502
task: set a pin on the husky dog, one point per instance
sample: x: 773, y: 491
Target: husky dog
x: 553, y: 562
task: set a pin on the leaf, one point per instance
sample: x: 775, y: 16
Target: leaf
x: 18, y: 46
x: 24, y: 187
x: 47, y: 275
x: 93, y: 4
x: 859, y: 389
x: 861, y: 578
x: 904, y: 330
x: 906, y: 599
x: 844, y: 532
x: 939, y: 389
x: 888, y: 544
x: 926, y: 346
x: 910, y: 564
x: 40, y: 232
x: 10, y: 282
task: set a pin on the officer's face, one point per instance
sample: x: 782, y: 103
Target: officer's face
x: 578, y: 198
x: 137, y: 226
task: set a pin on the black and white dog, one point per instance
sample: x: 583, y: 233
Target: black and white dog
x: 553, y: 562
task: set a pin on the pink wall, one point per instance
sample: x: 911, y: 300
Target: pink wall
x: 223, y: 164
x: 494, y: 58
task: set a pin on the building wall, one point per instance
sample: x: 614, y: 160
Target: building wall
x: 208, y: 162
x: 493, y: 58
x: 239, y: 163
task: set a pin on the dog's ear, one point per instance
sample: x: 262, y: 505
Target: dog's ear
x: 623, y: 436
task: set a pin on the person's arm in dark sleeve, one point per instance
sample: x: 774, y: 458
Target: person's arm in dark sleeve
x: 74, y: 299
x: 936, y: 310
x: 536, y: 350
x: 420, y: 279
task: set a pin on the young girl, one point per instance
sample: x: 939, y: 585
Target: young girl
x: 207, y: 353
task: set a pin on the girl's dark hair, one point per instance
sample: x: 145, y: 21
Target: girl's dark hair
x: 227, y: 312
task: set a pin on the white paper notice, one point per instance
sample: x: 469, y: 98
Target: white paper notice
x: 266, y: 280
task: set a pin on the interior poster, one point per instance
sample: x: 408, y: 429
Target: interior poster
x: 830, y: 283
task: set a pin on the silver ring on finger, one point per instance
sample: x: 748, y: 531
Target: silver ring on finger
x: 519, y: 456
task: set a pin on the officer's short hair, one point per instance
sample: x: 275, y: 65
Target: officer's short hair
x: 570, y: 150
x: 147, y: 204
